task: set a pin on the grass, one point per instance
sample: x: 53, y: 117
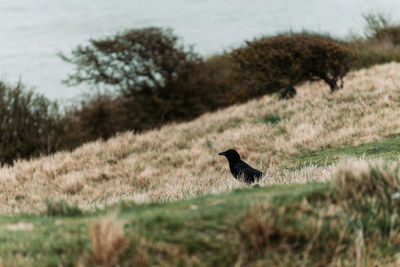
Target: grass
x: 165, y: 197
x: 180, y: 161
x: 313, y: 224
x: 371, y: 52
x: 387, y: 148
x: 199, y: 226
x: 272, y: 118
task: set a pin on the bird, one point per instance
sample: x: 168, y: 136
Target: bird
x: 239, y: 168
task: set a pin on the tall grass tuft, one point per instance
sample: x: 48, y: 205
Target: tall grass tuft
x: 107, y: 242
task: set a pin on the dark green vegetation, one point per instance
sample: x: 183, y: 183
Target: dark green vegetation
x: 350, y: 221
x: 270, y: 64
x: 153, y: 77
x: 30, y: 124
x: 271, y: 118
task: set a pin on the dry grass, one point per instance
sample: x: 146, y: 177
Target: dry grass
x: 107, y: 242
x: 372, y: 52
x: 271, y: 232
x: 180, y: 160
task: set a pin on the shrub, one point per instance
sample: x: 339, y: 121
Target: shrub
x: 368, y: 53
x: 191, y: 94
x: 389, y: 33
x: 374, y: 23
x: 137, y: 60
x: 156, y: 79
x: 381, y: 27
x: 98, y: 116
x: 380, y: 44
x: 217, y: 74
x: 269, y: 64
x: 29, y: 123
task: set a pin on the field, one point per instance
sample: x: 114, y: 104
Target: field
x: 165, y: 197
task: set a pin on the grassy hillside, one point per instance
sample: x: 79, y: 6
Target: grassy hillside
x: 52, y: 208
x: 180, y: 161
x: 348, y: 223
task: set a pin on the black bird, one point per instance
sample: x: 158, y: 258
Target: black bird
x: 239, y: 168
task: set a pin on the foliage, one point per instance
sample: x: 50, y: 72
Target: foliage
x: 379, y: 26
x: 288, y: 92
x: 368, y: 53
x: 29, y: 123
x: 137, y: 60
x: 389, y: 33
x: 269, y: 64
x: 380, y: 44
x: 155, y: 80
x: 375, y: 23
x: 95, y: 117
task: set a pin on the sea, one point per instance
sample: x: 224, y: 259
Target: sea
x: 33, y: 32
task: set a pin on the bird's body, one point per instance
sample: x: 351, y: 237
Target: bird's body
x: 239, y: 168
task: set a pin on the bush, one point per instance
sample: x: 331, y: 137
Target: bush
x: 368, y: 53
x: 269, y: 64
x: 191, y: 94
x: 374, y: 23
x: 29, y: 124
x: 389, y: 33
x: 154, y: 78
x: 95, y: 117
x: 380, y: 43
x: 137, y: 60
x: 103, y: 115
x: 380, y: 27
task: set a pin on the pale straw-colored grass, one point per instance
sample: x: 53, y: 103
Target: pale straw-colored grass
x: 107, y: 242
x: 181, y: 160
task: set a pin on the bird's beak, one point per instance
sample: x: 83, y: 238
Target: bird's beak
x: 222, y: 154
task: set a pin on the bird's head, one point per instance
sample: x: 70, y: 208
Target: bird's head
x: 230, y: 154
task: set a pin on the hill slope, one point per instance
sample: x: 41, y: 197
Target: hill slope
x: 180, y: 160
x: 346, y: 223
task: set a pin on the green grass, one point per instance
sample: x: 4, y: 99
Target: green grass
x: 215, y: 230
x: 201, y: 226
x: 272, y: 118
x: 387, y: 149
x: 52, y: 240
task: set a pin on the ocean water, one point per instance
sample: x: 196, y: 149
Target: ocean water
x: 32, y: 32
